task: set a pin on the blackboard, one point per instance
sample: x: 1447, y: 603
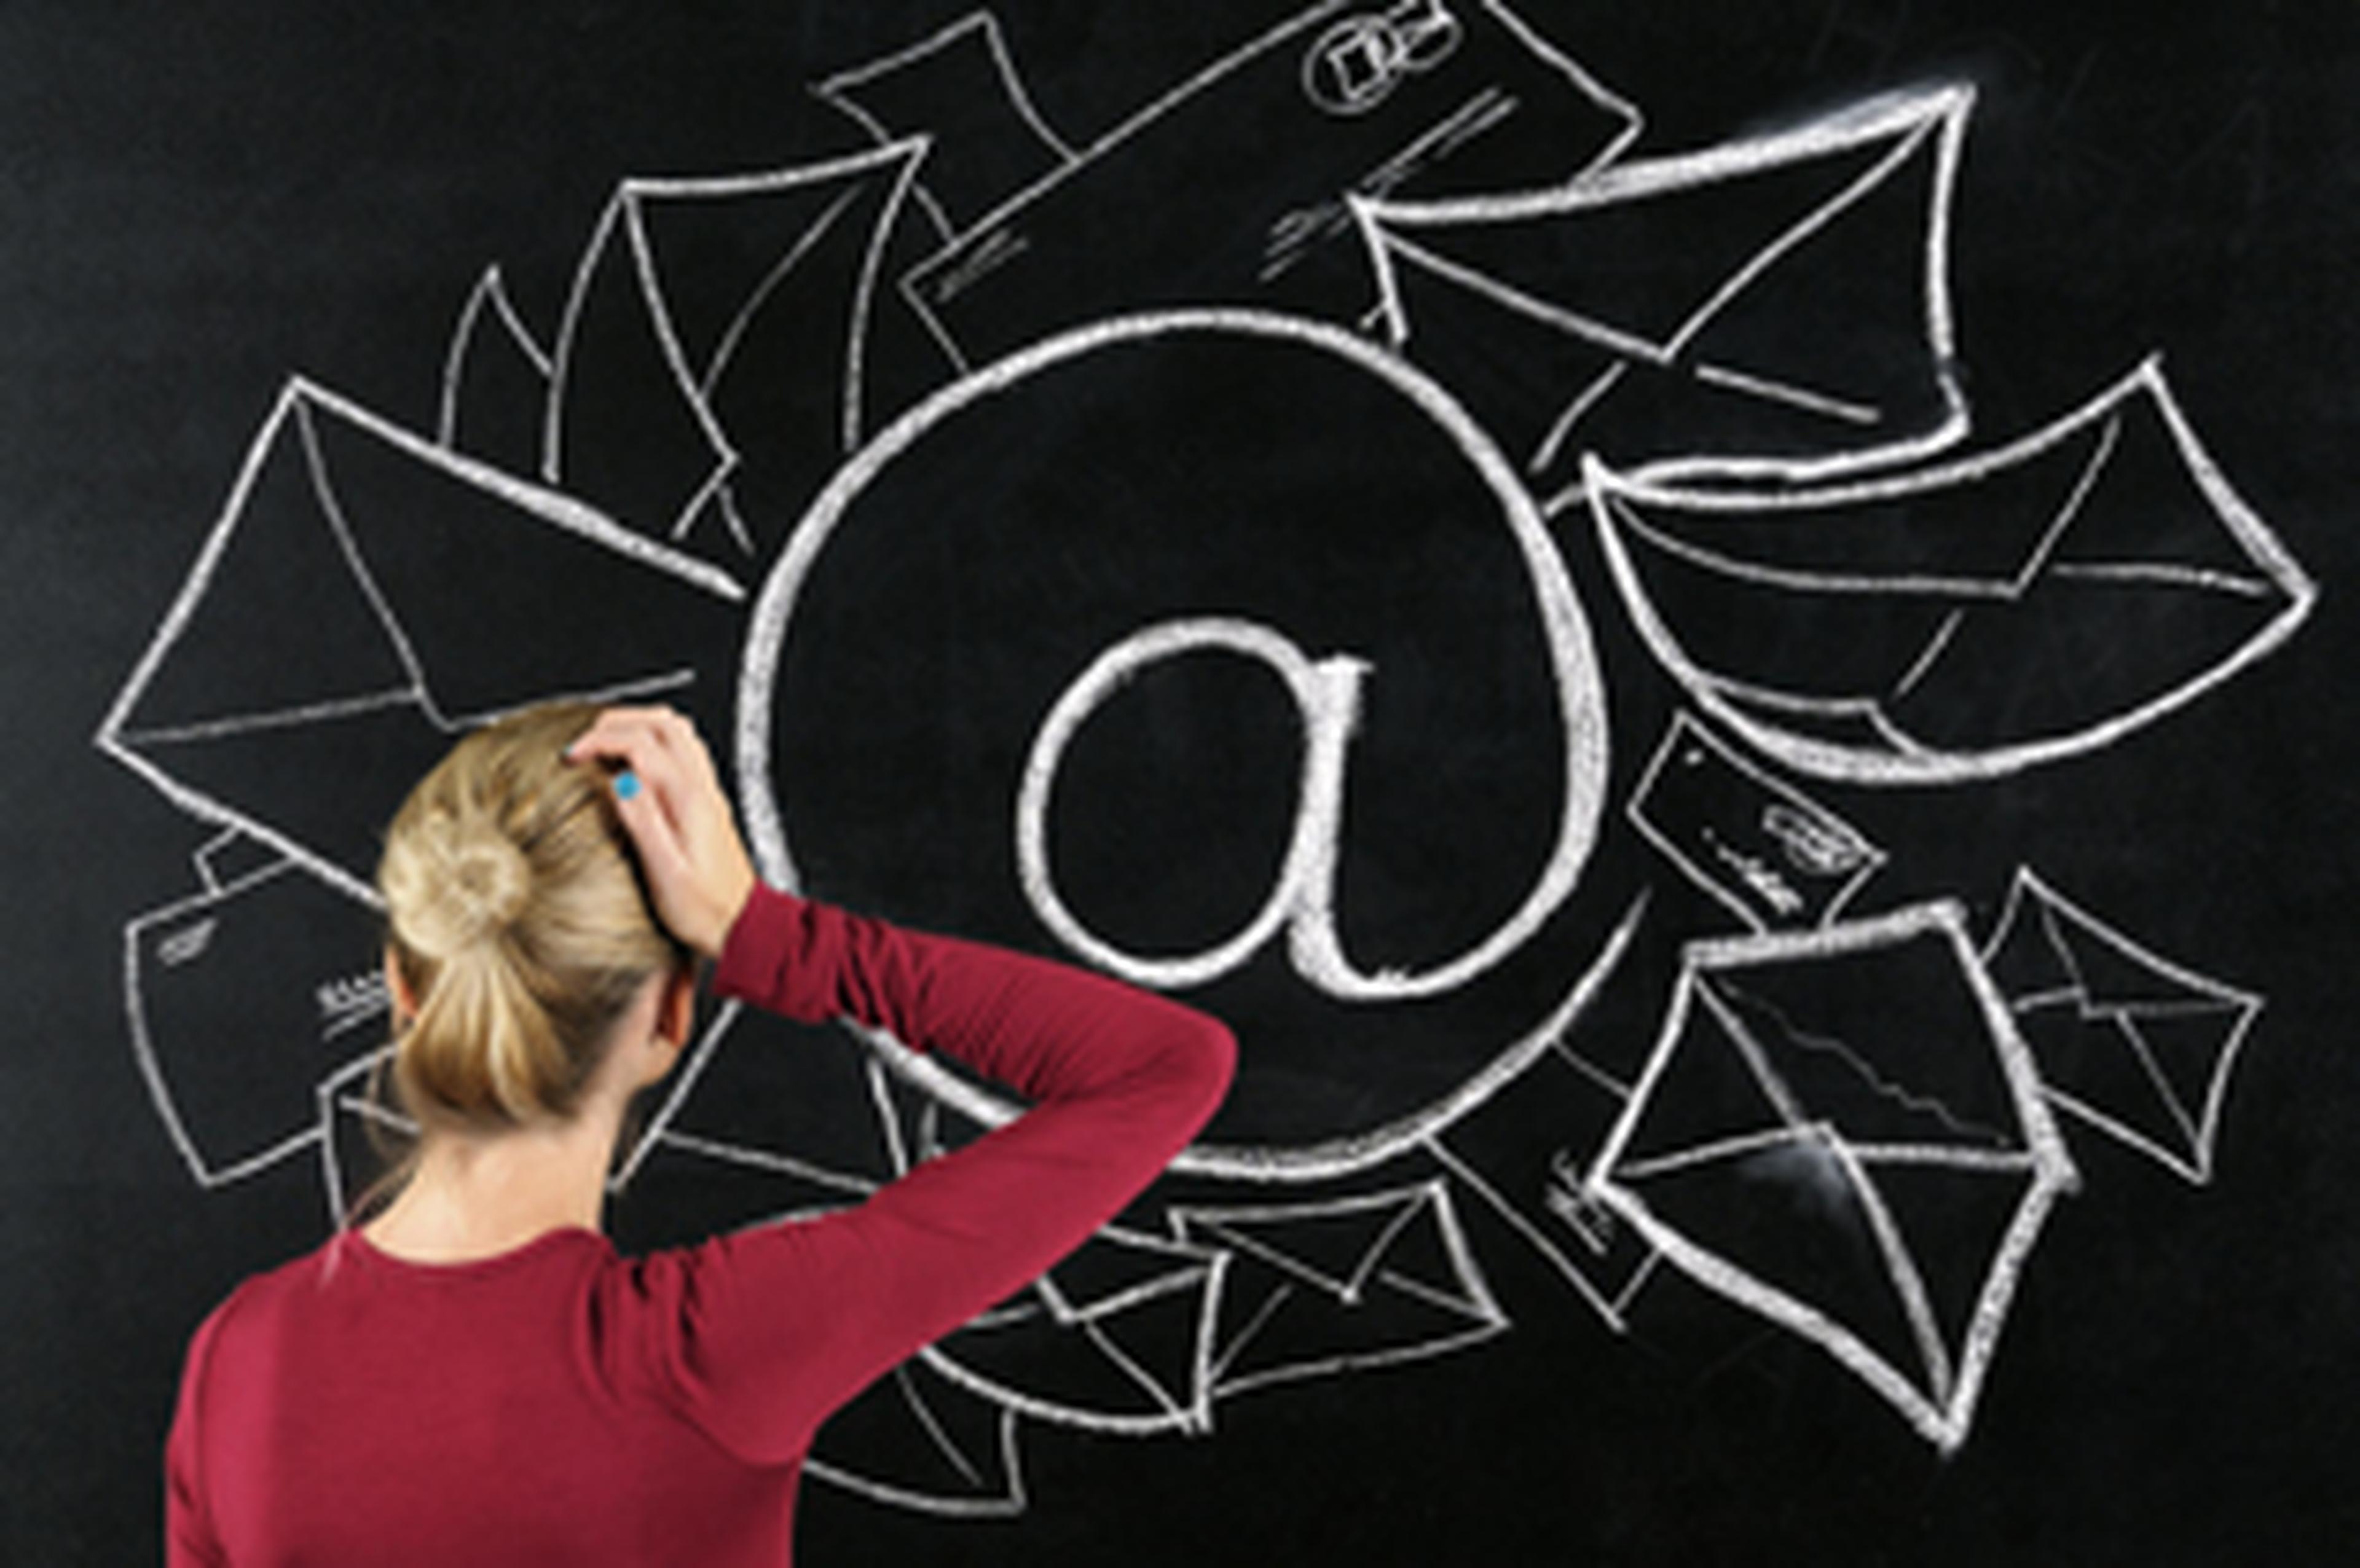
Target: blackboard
x: 1717, y: 627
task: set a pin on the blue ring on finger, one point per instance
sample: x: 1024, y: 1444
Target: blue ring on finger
x: 627, y: 785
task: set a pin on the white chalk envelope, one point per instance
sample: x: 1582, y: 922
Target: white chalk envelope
x: 364, y: 598
x: 1336, y: 1284
x: 1841, y: 1131
x: 1995, y: 612
x: 2128, y: 1042
x: 1775, y: 307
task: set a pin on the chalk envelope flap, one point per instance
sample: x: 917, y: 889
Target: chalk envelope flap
x: 276, y: 621
x: 716, y: 323
x: 1518, y: 370
x: 1313, y: 1290
x: 2191, y: 1053
x: 462, y: 560
x: 2100, y: 1069
x: 1888, y: 1045
x: 2023, y: 956
x: 2100, y: 631
x: 720, y: 251
x: 1747, y: 300
x: 321, y: 789
x: 1638, y: 249
x: 1955, y: 544
x: 1333, y: 1248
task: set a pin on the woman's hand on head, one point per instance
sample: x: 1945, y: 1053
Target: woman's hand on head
x: 678, y: 818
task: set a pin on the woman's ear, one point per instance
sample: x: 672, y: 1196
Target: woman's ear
x: 676, y: 1007
x: 398, y: 993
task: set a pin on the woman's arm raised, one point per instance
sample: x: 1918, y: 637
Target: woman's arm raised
x: 760, y: 1334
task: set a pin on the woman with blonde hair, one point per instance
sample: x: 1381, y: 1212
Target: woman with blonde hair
x: 473, y: 1375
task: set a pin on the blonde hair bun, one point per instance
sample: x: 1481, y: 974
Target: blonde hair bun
x: 475, y: 884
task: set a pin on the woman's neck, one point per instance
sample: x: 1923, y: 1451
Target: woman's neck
x: 479, y: 1194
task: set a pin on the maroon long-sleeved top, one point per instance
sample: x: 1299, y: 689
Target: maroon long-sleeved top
x: 561, y: 1404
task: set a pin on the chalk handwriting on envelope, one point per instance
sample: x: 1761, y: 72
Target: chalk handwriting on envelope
x: 229, y: 965
x: 1329, y: 1286
x: 1841, y: 1130
x: 1966, y: 621
x: 2131, y: 1043
x: 1140, y: 1306
x: 1777, y: 306
x: 1770, y: 853
x: 360, y: 603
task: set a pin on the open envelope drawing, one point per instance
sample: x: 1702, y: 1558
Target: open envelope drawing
x: 1116, y: 1339
x: 1330, y: 1286
x: 1841, y: 1130
x: 709, y: 360
x: 1777, y: 306
x: 2136, y: 1046
x: 1964, y: 621
x: 365, y: 596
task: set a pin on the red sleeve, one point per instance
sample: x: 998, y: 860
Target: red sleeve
x: 758, y: 1335
x: 189, y: 1539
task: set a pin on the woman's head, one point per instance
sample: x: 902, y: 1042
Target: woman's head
x: 518, y: 928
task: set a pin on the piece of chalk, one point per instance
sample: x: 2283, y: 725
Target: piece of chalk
x: 626, y: 786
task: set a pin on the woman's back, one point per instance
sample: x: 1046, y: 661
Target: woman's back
x: 553, y: 1403
x: 352, y: 1409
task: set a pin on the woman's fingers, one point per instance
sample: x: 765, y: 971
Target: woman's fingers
x: 669, y: 798
x: 650, y: 819
x: 645, y: 739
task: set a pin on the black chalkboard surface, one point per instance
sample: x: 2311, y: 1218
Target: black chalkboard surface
x: 1717, y: 628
